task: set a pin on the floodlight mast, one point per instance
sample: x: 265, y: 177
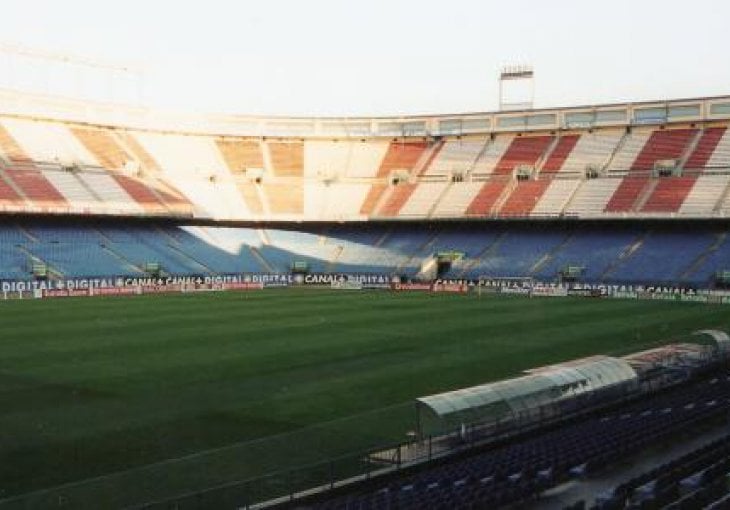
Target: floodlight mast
x: 522, y: 74
x: 78, y: 64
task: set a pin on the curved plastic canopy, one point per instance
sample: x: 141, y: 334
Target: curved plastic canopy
x: 529, y: 392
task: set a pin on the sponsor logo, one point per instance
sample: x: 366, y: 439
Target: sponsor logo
x: 451, y: 287
x: 411, y: 286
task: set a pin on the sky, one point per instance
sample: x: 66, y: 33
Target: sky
x: 376, y: 57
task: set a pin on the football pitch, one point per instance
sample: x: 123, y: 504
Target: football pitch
x: 203, y: 389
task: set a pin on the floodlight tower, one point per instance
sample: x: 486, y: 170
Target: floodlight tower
x: 84, y: 70
x: 516, y: 87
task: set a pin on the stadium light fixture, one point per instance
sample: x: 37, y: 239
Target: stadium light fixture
x: 516, y: 88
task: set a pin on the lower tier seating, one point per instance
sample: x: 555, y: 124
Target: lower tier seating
x: 523, y: 468
x: 633, y: 253
x: 695, y: 480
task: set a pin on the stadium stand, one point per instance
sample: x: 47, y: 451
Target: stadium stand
x: 593, y: 149
x: 286, y: 158
x: 592, y: 197
x: 524, y: 197
x: 400, y: 157
x: 694, y: 480
x: 492, y: 155
x: 556, y: 197
x: 366, y: 159
x: 108, y: 191
x: 523, y: 468
x: 585, y: 172
x: 423, y: 199
x: 663, y: 257
x: 399, y: 195
x: 456, y: 199
x: 704, y: 196
x: 612, y: 171
x: 10, y: 199
x: 491, y: 195
x: 456, y: 157
x: 588, y: 201
x: 594, y: 252
x: 659, y: 146
x: 194, y: 165
x: 522, y: 151
x: 33, y: 184
x: 631, y: 254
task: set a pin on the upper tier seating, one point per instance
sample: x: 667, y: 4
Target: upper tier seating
x: 661, y: 145
x: 400, y: 157
x: 592, y: 197
x: 375, y: 194
x: 117, y: 151
x: 9, y: 198
x: 180, y: 174
x: 110, y: 192
x: 284, y: 199
x: 486, y: 202
x: 560, y: 153
x: 142, y: 194
x: 456, y: 156
x: 287, y: 158
x: 326, y: 159
x: 705, y: 149
x: 669, y: 194
x: 106, y: 149
x: 241, y: 155
x: 49, y: 142
x: 339, y: 200
x: 342, y: 159
x: 457, y: 199
x: 73, y: 189
x: 366, y: 159
x: 592, y: 149
x: 555, y: 197
x: 525, y: 150
x: 524, y: 197
x: 398, y: 197
x: 492, y: 154
x: 423, y: 199
x: 627, y: 193
x: 721, y: 157
x: 628, y: 150
x: 195, y: 166
x: 704, y: 195
x: 36, y: 188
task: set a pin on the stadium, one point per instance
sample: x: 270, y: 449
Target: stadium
x: 523, y: 307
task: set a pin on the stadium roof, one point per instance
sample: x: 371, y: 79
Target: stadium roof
x: 662, y: 111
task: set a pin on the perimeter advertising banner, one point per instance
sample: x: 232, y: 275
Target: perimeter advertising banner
x: 342, y: 280
x: 85, y: 287
x: 121, y: 282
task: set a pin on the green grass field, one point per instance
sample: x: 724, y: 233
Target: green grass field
x: 90, y: 387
